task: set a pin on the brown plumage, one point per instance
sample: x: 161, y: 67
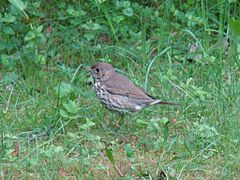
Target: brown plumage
x: 117, y: 92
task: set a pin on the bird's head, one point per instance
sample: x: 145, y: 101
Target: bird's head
x: 101, y: 71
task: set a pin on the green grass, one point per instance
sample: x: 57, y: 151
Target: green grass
x: 44, y: 83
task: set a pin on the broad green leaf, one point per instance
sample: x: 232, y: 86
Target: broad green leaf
x: 86, y: 26
x: 129, y: 150
x: 164, y: 121
x: 235, y: 28
x: 71, y: 107
x: 63, y: 89
x: 39, y: 29
x: 126, y: 4
x: 87, y: 125
x: 109, y: 155
x: 89, y: 36
x: 119, y: 4
x: 71, y: 11
x: 8, y: 30
x: 128, y: 11
x: 30, y: 35
x: 36, y: 4
x: 18, y: 4
x: 3, y: 45
x: 238, y: 48
x: 10, y: 77
x: 96, y: 26
x: 63, y: 113
x: 9, y: 18
x: 5, y: 59
x: 118, y: 19
x: 41, y: 59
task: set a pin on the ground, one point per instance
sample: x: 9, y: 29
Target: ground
x: 51, y: 123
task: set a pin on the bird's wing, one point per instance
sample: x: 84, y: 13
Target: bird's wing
x: 122, y: 86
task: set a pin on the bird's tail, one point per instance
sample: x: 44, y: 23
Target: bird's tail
x: 158, y: 101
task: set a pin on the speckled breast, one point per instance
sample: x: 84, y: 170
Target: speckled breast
x: 112, y: 101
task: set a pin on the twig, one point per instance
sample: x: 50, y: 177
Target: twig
x: 118, y: 170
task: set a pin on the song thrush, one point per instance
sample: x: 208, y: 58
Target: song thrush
x: 117, y: 92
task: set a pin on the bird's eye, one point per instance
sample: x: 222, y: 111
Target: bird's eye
x: 97, y: 70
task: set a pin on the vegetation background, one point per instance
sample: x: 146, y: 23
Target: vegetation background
x: 52, y: 126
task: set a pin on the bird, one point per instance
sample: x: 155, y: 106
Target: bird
x: 119, y: 94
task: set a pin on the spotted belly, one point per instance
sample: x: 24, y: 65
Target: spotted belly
x: 113, y: 102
